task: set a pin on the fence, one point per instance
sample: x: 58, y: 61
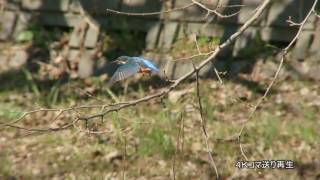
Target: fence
x: 161, y: 30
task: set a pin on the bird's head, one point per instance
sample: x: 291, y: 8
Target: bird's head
x: 121, y: 60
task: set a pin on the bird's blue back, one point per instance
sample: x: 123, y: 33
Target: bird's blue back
x: 146, y: 64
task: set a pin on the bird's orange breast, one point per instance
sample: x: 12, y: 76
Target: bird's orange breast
x: 145, y: 70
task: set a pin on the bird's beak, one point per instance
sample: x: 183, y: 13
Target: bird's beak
x: 114, y: 62
x: 118, y: 62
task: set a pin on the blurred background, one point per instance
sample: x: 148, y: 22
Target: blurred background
x: 57, y: 54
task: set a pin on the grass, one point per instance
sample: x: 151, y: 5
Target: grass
x: 142, y: 139
x: 10, y: 111
x: 153, y: 135
x: 6, y: 165
x: 156, y: 142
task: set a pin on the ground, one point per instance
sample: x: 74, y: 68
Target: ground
x: 141, y: 141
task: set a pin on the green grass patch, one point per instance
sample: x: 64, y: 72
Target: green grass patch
x: 10, y: 111
x: 157, y: 141
x: 265, y: 126
x: 6, y: 165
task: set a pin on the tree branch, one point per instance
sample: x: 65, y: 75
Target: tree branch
x: 231, y: 39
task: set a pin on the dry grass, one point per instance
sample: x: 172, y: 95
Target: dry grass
x: 142, y: 140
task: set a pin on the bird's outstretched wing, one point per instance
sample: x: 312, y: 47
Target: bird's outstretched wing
x: 147, y: 64
x: 124, y: 71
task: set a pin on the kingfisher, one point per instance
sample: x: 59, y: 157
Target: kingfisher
x: 128, y: 66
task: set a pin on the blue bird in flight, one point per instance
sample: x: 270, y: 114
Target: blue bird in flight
x: 130, y: 66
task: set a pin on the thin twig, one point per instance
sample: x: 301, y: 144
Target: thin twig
x: 193, y: 56
x: 203, y: 125
x: 87, y: 130
x: 124, y: 158
x: 35, y: 129
x: 194, y: 2
x: 151, y: 13
x: 213, y: 11
x: 177, y: 147
x: 217, y: 73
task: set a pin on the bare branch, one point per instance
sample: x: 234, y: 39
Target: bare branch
x: 217, y: 74
x: 177, y: 147
x: 213, y: 11
x: 193, y: 56
x: 150, y: 14
x: 233, y: 37
x: 194, y: 2
x: 35, y: 129
x: 291, y: 23
x: 203, y: 124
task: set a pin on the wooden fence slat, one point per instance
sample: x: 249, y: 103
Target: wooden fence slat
x: 280, y: 11
x: 168, y: 34
x: 86, y: 64
x: 315, y: 46
x: 193, y: 13
x: 46, y: 5
x: 131, y: 23
x: 212, y: 30
x: 22, y: 23
x: 92, y: 36
x: 141, y: 6
x: 7, y: 23
x: 244, y: 41
x: 3, y: 62
x: 12, y: 5
x: 277, y: 34
x: 60, y: 19
x: 152, y: 36
x: 77, y: 36
x: 96, y: 7
x: 19, y: 58
x: 247, y: 10
x: 302, y: 45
